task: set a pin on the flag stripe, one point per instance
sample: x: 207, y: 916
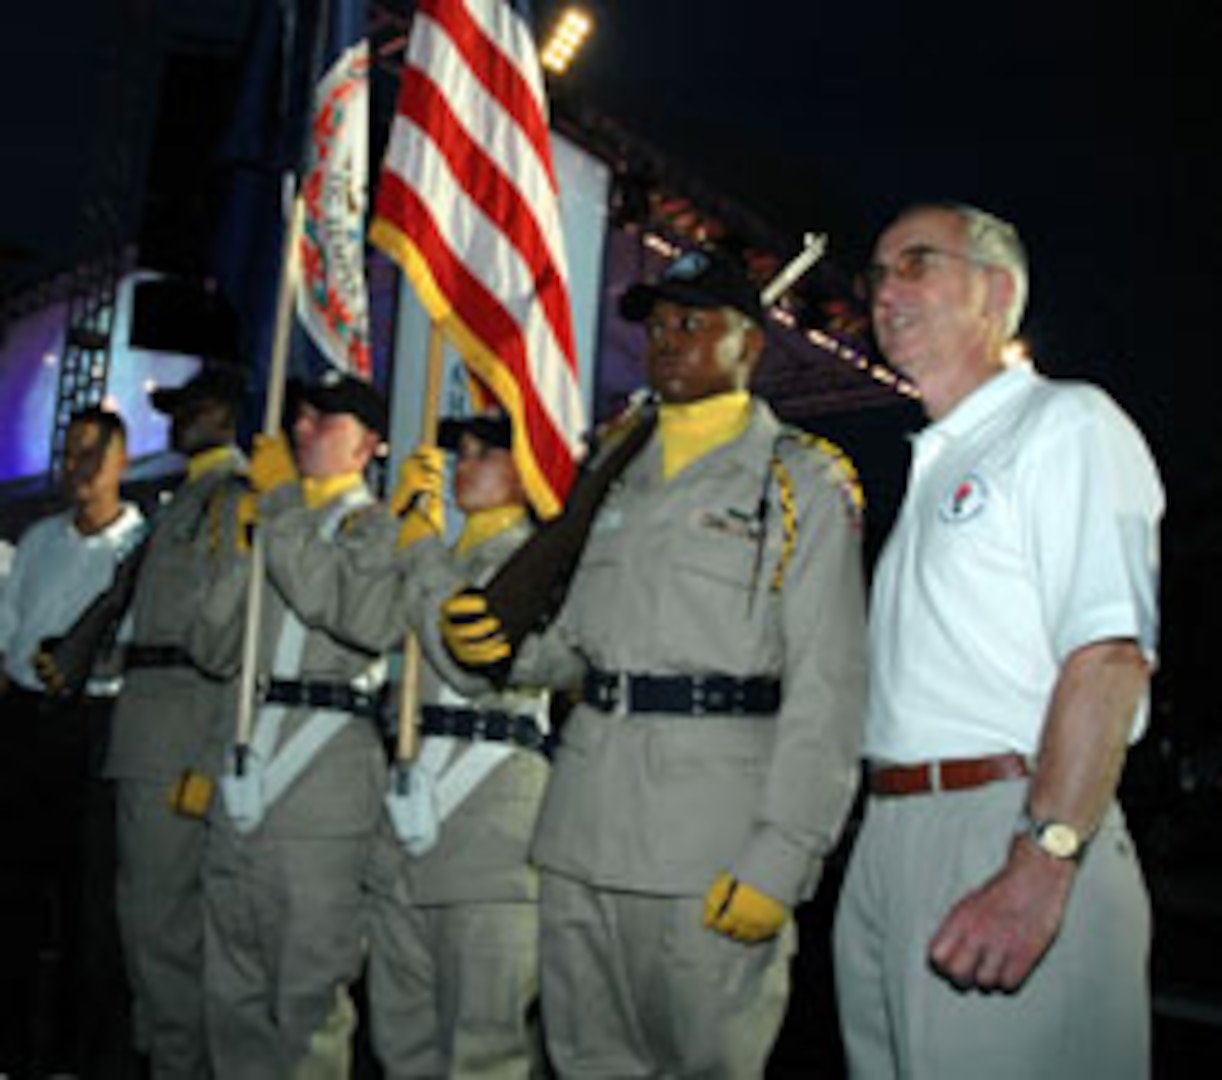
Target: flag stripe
x: 494, y: 49
x: 496, y: 262
x: 491, y: 190
x: 491, y: 268
x: 486, y: 121
x: 437, y: 275
x: 467, y: 204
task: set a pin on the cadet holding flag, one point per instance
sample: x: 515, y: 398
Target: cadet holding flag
x: 453, y: 965
x: 292, y: 831
x: 715, y: 630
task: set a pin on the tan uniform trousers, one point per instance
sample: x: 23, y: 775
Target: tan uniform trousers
x: 634, y: 986
x: 453, y: 990
x: 283, y: 937
x: 1084, y: 1014
x: 159, y: 903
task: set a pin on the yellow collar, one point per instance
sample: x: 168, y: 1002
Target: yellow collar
x: 691, y: 431
x: 317, y: 493
x: 206, y: 461
x: 485, y: 524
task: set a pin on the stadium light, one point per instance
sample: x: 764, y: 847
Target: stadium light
x: 569, y: 34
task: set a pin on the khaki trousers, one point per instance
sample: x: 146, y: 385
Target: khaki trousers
x: 634, y: 986
x: 1084, y: 1014
x: 453, y: 989
x: 159, y: 902
x: 284, y: 921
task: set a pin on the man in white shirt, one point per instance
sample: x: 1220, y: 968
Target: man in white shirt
x: 994, y: 921
x: 50, y: 746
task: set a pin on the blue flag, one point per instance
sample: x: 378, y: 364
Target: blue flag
x: 301, y: 124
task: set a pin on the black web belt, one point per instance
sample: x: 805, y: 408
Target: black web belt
x: 682, y: 695
x: 309, y: 694
x: 491, y: 725
x: 156, y: 656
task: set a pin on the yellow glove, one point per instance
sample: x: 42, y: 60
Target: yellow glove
x: 471, y: 632
x: 271, y: 463
x: 418, y: 498
x: 246, y: 513
x: 421, y: 473
x: 192, y: 795
x: 734, y: 908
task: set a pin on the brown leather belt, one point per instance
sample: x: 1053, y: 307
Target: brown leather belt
x: 952, y: 775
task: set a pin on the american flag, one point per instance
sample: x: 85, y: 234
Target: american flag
x: 467, y: 204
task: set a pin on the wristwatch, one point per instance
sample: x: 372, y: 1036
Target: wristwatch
x: 1054, y: 838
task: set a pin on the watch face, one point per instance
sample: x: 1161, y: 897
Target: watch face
x: 1059, y: 840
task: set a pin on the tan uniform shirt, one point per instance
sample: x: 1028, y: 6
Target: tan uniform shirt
x: 340, y: 791
x: 482, y: 852
x: 669, y: 583
x: 165, y: 719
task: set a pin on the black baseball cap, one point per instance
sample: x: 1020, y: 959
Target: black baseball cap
x: 492, y: 428
x: 215, y: 381
x: 705, y: 278
x: 337, y: 392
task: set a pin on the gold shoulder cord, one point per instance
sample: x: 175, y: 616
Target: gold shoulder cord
x: 850, y: 482
x: 789, y: 520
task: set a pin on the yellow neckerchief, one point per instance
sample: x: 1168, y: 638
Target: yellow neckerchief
x: 691, y: 431
x: 207, y: 460
x: 317, y: 493
x: 485, y: 524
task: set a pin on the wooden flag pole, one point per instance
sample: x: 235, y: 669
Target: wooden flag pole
x: 409, y: 685
x: 273, y: 414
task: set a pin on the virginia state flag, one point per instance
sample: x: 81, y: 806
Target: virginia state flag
x: 332, y: 299
x: 301, y: 121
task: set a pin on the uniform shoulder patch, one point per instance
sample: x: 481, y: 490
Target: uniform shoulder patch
x: 841, y: 471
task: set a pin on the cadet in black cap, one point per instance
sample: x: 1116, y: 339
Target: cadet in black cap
x: 714, y: 630
x: 287, y: 860
x: 703, y: 280
x: 453, y: 960
x: 215, y: 382
x: 337, y: 393
x: 164, y: 746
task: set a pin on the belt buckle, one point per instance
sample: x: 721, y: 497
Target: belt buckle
x: 621, y: 691
x: 479, y: 725
x: 700, y: 697
x: 934, y: 769
x: 720, y: 697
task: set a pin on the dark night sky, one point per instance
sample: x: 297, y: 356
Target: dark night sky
x: 1091, y: 125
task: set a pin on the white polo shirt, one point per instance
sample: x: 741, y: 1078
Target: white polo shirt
x: 1029, y: 529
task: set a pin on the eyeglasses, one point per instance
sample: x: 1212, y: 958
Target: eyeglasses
x: 911, y: 264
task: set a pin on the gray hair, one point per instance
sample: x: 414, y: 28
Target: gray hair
x: 992, y: 242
